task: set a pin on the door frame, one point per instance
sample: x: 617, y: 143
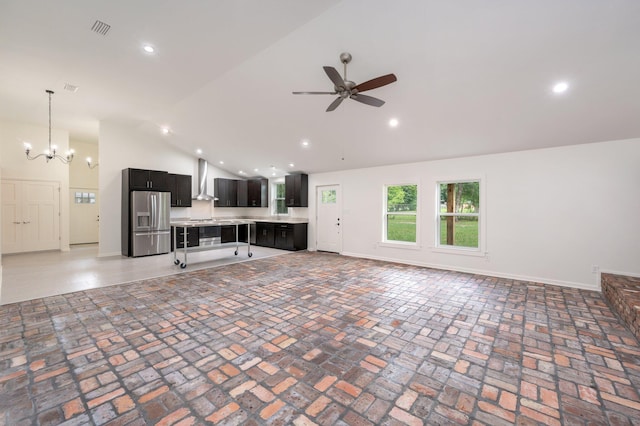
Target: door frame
x: 339, y: 202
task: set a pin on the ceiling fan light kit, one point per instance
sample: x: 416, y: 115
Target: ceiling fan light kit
x: 345, y: 88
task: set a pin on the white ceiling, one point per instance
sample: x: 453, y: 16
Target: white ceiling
x: 474, y: 77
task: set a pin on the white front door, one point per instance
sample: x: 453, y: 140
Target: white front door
x: 84, y: 215
x: 329, y: 215
x: 30, y: 216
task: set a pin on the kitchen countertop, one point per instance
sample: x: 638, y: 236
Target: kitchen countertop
x: 222, y: 221
x: 209, y: 222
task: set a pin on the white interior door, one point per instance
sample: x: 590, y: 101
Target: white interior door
x: 11, y: 217
x: 329, y: 215
x: 84, y: 215
x: 30, y: 216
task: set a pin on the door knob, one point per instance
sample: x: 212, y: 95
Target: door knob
x: 26, y: 222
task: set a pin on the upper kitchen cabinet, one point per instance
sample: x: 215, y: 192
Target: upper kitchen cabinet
x: 297, y: 190
x: 140, y: 179
x: 180, y: 187
x: 242, y: 187
x: 226, y: 192
x: 258, y: 192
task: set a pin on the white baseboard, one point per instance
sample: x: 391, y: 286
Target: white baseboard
x: 115, y: 253
x: 570, y: 284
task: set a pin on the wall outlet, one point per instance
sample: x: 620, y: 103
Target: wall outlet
x: 595, y: 269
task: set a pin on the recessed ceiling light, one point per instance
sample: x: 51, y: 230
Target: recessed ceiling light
x: 198, y: 151
x: 165, y: 130
x: 221, y: 162
x: 241, y: 172
x: 291, y: 164
x: 560, y: 87
x: 273, y: 174
x: 255, y: 170
x: 148, y: 48
x: 305, y: 142
x: 393, y: 122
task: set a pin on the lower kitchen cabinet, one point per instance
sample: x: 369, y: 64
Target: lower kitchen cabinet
x: 284, y: 236
x: 265, y: 234
x: 193, y: 238
x: 228, y: 234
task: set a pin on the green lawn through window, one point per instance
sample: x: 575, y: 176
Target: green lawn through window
x: 466, y: 232
x: 401, y: 228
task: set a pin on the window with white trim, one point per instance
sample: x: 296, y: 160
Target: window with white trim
x: 279, y: 201
x: 400, y: 213
x: 458, y: 215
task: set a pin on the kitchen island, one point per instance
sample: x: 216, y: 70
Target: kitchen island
x: 184, y: 228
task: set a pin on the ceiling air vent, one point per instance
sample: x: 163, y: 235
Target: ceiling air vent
x: 71, y: 87
x: 100, y: 27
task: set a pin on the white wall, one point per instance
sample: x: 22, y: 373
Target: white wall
x: 551, y: 214
x: 14, y: 164
x: 80, y: 175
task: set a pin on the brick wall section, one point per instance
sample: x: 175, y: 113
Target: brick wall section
x: 623, y: 294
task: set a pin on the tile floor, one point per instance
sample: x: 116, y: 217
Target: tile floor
x: 314, y: 338
x: 29, y: 276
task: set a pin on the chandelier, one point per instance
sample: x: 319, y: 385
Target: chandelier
x: 49, y: 154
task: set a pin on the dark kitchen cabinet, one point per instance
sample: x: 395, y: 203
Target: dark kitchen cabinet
x: 291, y: 236
x: 243, y: 193
x: 258, y: 193
x: 180, y: 187
x: 226, y: 192
x: 265, y: 234
x: 193, y: 237
x: 297, y: 190
x: 140, y: 179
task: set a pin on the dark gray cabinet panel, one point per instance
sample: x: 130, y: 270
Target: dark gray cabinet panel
x: 180, y: 187
x: 193, y: 238
x: 243, y: 193
x: 140, y: 179
x: 258, y: 193
x: 226, y: 192
x: 265, y: 234
x: 284, y: 236
x: 297, y: 190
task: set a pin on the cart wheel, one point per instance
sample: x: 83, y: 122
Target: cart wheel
x: 250, y: 254
x: 235, y: 252
x: 183, y: 265
x: 176, y: 261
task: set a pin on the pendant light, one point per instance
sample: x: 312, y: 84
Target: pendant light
x: 49, y: 154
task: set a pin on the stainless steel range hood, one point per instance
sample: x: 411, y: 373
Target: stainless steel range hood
x: 203, y: 166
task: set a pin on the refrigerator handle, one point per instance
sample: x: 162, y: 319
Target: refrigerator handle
x: 153, y: 212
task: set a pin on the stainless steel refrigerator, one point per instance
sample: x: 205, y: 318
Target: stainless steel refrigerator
x: 150, y: 217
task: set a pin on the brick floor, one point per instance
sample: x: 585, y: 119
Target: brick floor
x: 312, y: 338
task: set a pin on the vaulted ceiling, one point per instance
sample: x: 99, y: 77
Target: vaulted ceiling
x: 474, y: 77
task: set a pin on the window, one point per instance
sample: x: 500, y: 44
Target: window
x: 328, y: 196
x: 400, y: 213
x: 85, y: 197
x: 458, y: 214
x: 279, y: 202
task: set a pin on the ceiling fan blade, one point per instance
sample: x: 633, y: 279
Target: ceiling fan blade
x: 376, y: 82
x: 335, y: 76
x: 335, y: 103
x: 369, y: 100
x: 315, y: 93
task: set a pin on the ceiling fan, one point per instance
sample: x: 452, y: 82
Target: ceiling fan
x: 348, y: 89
